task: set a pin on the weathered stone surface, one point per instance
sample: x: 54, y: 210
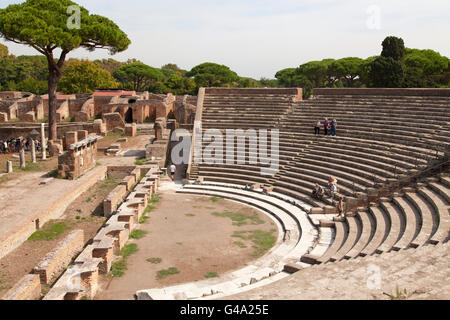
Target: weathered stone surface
x: 113, y: 200
x: 130, y: 130
x: 28, y: 288
x: 80, y: 158
x: 60, y: 257
x: 113, y: 120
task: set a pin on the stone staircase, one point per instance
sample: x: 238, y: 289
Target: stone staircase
x: 423, y: 272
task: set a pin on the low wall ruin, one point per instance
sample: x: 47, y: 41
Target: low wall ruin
x: 80, y: 158
x: 60, y: 257
x: 27, y: 288
x: 81, y: 278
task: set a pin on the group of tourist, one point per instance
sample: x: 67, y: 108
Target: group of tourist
x: 329, y: 127
x: 332, y: 189
x: 13, y: 145
x: 318, y: 192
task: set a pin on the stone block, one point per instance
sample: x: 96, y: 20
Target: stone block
x: 326, y: 223
x: 316, y: 211
x: 330, y: 210
x: 130, y: 130
x: 55, y: 149
x: 71, y: 138
x: 291, y: 268
x: 82, y: 134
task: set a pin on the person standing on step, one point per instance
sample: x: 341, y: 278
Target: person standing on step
x: 326, y: 123
x: 317, y: 128
x: 333, y: 125
x: 173, y: 169
x: 340, y: 207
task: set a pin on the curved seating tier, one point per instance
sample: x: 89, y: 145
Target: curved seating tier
x: 296, y: 237
x: 426, y: 270
x: 380, y: 139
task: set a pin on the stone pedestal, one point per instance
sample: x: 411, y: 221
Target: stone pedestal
x: 23, y: 164
x: 130, y: 130
x: 9, y: 166
x: 33, y: 151
x: 43, y: 142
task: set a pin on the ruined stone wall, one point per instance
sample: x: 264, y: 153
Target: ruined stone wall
x: 114, y: 198
x: 14, y: 130
x: 113, y: 120
x: 60, y: 257
x: 80, y: 158
x: 99, y: 102
x: 27, y: 288
x: 98, y: 256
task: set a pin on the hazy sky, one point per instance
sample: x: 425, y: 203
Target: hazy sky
x: 258, y: 38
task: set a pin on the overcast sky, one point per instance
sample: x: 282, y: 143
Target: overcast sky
x: 258, y: 38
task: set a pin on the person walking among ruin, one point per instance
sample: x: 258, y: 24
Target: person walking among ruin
x: 173, y: 169
x: 326, y: 124
x: 333, y: 126
x: 317, y: 128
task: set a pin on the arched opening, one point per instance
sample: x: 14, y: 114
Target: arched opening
x: 129, y: 116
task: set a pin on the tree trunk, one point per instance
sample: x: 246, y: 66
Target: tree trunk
x: 53, y: 78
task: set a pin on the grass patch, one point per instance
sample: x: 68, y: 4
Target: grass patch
x: 149, y: 209
x: 141, y: 162
x: 109, y: 182
x: 49, y: 232
x: 240, y: 244
x: 143, y: 219
x: 154, y: 199
x: 180, y: 243
x: 118, y: 268
x: 115, y: 134
x: 215, y: 199
x: 164, y: 273
x: 154, y: 260
x: 190, y: 215
x: 239, y: 219
x: 128, y: 250
x: 211, y: 275
x: 54, y: 174
x: 262, y: 240
x: 138, y: 234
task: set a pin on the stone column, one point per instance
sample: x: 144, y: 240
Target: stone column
x: 33, y: 151
x: 9, y: 166
x: 22, y: 158
x: 43, y: 144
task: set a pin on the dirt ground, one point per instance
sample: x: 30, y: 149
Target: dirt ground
x: 83, y: 213
x: 184, y: 234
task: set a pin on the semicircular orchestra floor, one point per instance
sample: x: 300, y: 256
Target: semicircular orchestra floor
x: 198, y: 237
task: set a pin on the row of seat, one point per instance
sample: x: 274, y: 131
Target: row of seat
x: 416, y: 216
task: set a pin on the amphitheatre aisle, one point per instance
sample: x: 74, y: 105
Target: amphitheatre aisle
x: 25, y: 198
